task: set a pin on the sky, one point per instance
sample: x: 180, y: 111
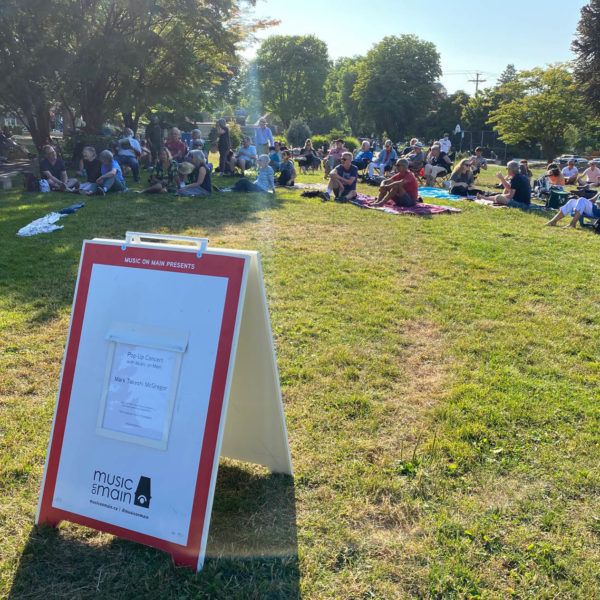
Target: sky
x: 481, y: 36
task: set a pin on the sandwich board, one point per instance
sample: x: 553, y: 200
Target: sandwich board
x: 169, y: 364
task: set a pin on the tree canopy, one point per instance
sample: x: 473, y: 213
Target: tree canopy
x: 546, y: 103
x: 586, y: 47
x: 291, y: 72
x: 396, y: 83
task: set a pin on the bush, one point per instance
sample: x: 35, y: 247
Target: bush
x: 297, y: 133
x: 320, y: 140
x: 351, y: 143
x: 235, y: 135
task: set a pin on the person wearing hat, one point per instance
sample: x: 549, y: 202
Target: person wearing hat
x: 416, y: 157
x: 385, y: 159
x: 163, y: 176
x: 445, y: 143
x: 402, y: 188
x: 364, y: 156
x: 263, y: 137
x: 154, y: 135
x: 199, y: 181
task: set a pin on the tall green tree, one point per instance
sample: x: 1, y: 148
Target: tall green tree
x: 586, y: 47
x: 291, y: 72
x: 339, y: 87
x: 548, y: 104
x: 396, y: 83
x: 135, y: 54
x: 32, y: 54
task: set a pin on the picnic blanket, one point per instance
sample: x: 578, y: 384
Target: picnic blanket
x: 441, y: 194
x: 420, y: 208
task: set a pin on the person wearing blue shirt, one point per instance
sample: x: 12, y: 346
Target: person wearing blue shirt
x: 364, y: 156
x: 246, y: 156
x: 129, y: 151
x: 265, y: 182
x: 263, y: 137
x: 111, y: 178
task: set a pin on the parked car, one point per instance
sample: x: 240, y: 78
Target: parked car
x: 580, y: 162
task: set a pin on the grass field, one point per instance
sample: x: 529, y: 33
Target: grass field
x: 440, y: 381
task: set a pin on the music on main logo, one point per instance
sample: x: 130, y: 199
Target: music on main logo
x: 142, y: 493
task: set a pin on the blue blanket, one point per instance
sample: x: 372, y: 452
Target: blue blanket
x: 433, y: 192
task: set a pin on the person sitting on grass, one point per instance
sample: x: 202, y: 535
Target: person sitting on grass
x: 402, y: 188
x: 524, y: 169
x: 111, y: 177
x: 590, y: 177
x: 478, y: 162
x: 176, y: 147
x: 385, y: 158
x: 364, y: 156
x: 199, y: 180
x: 462, y: 180
x: 265, y: 180
x: 53, y: 169
x: 128, y: 153
x: 557, y: 179
x: 570, y: 173
x: 162, y: 179
x: 246, y: 156
x: 92, y: 167
x: 342, y: 180
x: 578, y: 206
x: 288, y: 172
x: 274, y: 159
x: 517, y: 191
x: 438, y: 163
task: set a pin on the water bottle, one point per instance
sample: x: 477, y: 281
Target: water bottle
x: 83, y: 172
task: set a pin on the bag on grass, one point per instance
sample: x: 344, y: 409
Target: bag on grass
x: 44, y: 185
x: 31, y: 183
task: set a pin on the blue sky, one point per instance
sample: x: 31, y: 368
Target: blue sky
x: 484, y: 35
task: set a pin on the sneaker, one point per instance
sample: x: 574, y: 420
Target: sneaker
x: 341, y: 199
x: 324, y: 197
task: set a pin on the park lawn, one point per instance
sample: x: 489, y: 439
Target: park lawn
x: 439, y: 378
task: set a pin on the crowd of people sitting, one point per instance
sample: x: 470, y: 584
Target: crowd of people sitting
x: 185, y: 170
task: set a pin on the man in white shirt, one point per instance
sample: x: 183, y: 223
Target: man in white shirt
x: 129, y: 151
x: 570, y: 172
x: 445, y: 143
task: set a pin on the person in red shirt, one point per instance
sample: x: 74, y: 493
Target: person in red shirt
x: 175, y: 146
x: 402, y: 188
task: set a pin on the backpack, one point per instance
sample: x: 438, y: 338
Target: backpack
x: 31, y: 183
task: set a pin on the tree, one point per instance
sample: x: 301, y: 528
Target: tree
x: 396, y: 83
x: 171, y: 53
x: 103, y: 57
x: 32, y: 52
x: 339, y: 87
x: 291, y: 71
x: 509, y: 74
x: 586, y: 47
x: 550, y: 102
x: 445, y: 116
x: 297, y: 133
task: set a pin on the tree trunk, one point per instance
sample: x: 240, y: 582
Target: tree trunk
x: 37, y: 122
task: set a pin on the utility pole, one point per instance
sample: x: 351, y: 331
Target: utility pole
x: 477, y: 81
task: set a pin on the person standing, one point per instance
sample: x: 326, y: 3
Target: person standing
x: 263, y: 137
x: 154, y: 135
x: 224, y: 145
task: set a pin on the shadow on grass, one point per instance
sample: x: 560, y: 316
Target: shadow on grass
x: 39, y: 272
x: 252, y: 553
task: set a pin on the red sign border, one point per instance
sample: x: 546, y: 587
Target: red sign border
x: 218, y: 265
